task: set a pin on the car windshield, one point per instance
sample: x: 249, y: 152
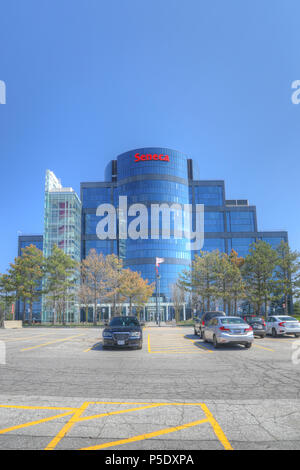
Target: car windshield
x: 287, y: 319
x: 124, y: 321
x: 253, y: 319
x: 234, y: 321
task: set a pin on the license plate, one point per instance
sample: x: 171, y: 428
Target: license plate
x: 121, y: 342
x: 237, y: 332
x: 259, y: 327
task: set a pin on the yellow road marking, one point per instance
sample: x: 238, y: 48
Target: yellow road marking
x: 39, y: 407
x: 22, y: 339
x: 94, y: 346
x: 67, y: 427
x: 32, y: 423
x: 262, y: 347
x: 149, y: 435
x: 149, y: 348
x: 77, y: 412
x: 179, y: 352
x: 217, y: 428
x: 52, y: 342
x: 109, y: 413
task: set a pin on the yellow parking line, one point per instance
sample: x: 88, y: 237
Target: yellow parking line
x: 118, y: 412
x: 217, y: 428
x: 67, y: 427
x: 262, y: 347
x: 94, y: 346
x: 149, y: 348
x: 21, y: 407
x: 32, y: 423
x: 149, y: 435
x: 52, y: 342
x: 179, y: 352
x: 22, y: 339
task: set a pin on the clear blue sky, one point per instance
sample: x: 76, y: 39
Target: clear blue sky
x: 89, y: 79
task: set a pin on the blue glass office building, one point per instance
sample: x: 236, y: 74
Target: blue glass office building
x: 155, y: 175
x: 146, y: 176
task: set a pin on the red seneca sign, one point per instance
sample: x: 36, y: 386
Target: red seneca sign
x: 149, y: 156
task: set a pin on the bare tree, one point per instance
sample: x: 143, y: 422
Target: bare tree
x: 178, y: 298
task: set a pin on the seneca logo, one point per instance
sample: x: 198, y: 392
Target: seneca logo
x: 149, y: 156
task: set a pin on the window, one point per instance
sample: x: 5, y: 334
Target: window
x: 209, y: 195
x: 240, y: 221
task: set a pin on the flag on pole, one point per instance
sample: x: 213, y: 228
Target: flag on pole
x: 158, y: 261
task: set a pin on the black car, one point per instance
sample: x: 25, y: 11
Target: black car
x: 204, y: 319
x: 257, y: 323
x: 123, y: 332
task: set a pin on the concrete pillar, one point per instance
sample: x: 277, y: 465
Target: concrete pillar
x: 109, y: 311
x: 184, y: 315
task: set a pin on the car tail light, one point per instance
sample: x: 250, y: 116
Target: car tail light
x: 203, y: 322
x: 249, y: 329
x: 222, y: 328
x: 264, y: 323
x: 281, y: 323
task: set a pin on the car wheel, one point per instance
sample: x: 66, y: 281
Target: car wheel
x: 248, y: 345
x: 297, y: 335
x: 274, y: 333
x: 204, y: 337
x: 195, y: 332
x: 140, y: 346
x: 216, y: 344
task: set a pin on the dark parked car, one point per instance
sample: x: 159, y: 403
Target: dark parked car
x: 258, y: 325
x: 204, y: 319
x: 123, y: 332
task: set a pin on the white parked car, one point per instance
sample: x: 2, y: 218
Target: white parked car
x: 278, y: 325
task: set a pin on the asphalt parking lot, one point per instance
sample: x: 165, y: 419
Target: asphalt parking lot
x: 60, y: 390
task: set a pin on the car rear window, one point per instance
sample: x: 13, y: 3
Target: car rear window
x: 209, y: 316
x: 235, y: 321
x: 287, y: 319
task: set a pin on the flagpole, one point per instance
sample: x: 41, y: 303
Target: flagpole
x: 157, y: 284
x: 158, y: 279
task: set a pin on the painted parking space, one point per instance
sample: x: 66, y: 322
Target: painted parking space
x: 172, y: 341
x: 95, y: 425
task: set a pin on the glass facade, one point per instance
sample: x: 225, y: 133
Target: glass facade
x: 160, y: 175
x: 62, y: 227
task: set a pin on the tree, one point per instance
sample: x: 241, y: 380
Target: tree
x: 237, y: 285
x: 258, y: 272
x: 223, y: 276
x: 288, y: 273
x: 7, y: 295
x: 297, y: 308
x: 94, y: 269
x: 114, y: 266
x: 200, y: 279
x: 134, y: 288
x: 84, y: 295
x: 60, y: 282
x: 27, y: 272
x: 178, y: 298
